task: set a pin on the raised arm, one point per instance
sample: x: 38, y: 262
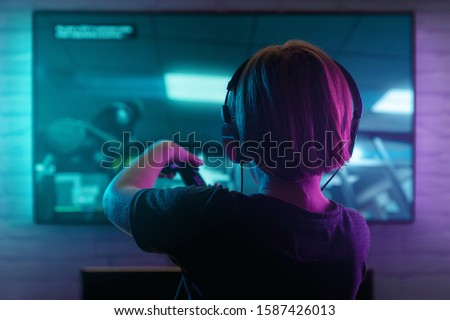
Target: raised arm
x: 141, y: 174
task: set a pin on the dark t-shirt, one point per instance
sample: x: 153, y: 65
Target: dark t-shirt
x: 234, y: 246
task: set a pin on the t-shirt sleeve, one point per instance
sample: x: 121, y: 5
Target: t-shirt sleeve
x: 163, y: 220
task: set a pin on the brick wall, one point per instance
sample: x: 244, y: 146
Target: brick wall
x: 43, y: 262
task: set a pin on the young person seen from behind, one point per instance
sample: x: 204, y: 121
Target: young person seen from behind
x: 286, y: 242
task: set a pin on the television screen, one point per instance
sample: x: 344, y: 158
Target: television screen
x: 127, y: 79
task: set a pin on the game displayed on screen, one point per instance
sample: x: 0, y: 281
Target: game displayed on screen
x: 135, y: 78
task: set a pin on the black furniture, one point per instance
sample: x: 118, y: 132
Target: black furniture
x: 152, y: 283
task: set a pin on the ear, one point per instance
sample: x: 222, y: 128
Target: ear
x: 230, y: 143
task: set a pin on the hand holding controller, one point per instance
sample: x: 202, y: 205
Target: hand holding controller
x: 188, y: 173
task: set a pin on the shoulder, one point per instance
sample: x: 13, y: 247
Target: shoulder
x: 350, y: 215
x: 357, y: 226
x: 180, y: 205
x: 162, y: 220
x: 183, y: 197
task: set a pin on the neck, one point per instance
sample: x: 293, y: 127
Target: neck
x: 305, y: 193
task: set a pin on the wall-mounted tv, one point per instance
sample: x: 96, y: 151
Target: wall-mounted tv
x: 137, y: 77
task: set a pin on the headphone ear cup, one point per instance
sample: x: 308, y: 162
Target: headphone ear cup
x: 357, y: 105
x: 230, y: 144
x: 353, y: 133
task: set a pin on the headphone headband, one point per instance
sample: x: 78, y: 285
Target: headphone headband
x: 233, y: 83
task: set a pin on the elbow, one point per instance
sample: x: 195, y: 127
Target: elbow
x: 111, y: 203
x: 107, y: 204
x: 116, y: 204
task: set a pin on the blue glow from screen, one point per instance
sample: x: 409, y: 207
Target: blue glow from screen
x: 195, y: 87
x: 395, y: 101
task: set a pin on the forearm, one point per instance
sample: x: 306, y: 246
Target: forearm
x: 140, y: 174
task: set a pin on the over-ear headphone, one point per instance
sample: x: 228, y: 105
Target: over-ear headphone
x: 230, y: 133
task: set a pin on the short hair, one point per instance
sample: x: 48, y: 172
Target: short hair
x: 297, y: 96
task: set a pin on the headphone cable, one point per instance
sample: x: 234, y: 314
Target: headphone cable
x: 328, y: 181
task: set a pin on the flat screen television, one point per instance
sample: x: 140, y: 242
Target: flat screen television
x: 137, y: 77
